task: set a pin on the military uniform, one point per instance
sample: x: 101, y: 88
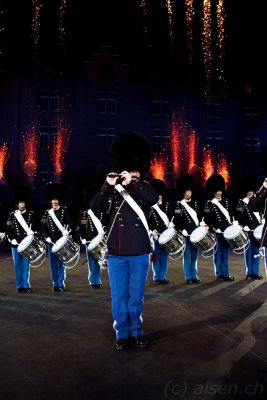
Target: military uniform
x: 218, y: 222
x: 128, y: 240
x: 157, y: 225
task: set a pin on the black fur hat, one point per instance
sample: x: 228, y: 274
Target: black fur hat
x: 159, y: 186
x: 54, y: 191
x: 184, y: 183
x: 130, y: 151
x: 247, y: 183
x: 22, y: 192
x: 215, y: 183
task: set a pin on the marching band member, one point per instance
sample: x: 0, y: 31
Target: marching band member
x: 187, y: 217
x: 219, y: 215
x: 257, y: 203
x: 91, y: 225
x: 249, y: 221
x: 56, y: 222
x: 129, y: 199
x: 159, y: 220
x: 21, y: 222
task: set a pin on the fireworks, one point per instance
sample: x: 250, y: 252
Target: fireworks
x: 30, y: 150
x: 60, y: 146
x: 3, y: 160
x: 62, y: 31
x: 223, y: 170
x: 192, y: 151
x: 175, y: 147
x: 144, y: 12
x: 220, y: 27
x: 207, y: 44
x: 158, y: 167
x: 189, y: 15
x: 169, y: 10
x: 36, y: 23
x: 208, y: 164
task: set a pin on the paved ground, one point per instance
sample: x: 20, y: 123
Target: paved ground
x: 208, y: 341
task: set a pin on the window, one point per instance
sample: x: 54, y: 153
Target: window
x: 213, y: 108
x: 214, y: 140
x: 252, y: 145
x: 44, y: 137
x: 161, y: 105
x: 106, y: 103
x: 49, y: 100
x: 105, y: 137
x: 46, y: 174
x: 53, y: 136
x: 251, y: 117
x: 161, y: 140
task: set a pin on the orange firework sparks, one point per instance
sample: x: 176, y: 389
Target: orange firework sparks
x: 62, y: 31
x: 36, y: 22
x: 207, y: 44
x: 223, y: 169
x: 158, y: 167
x: 189, y: 14
x: 220, y: 27
x: 208, y: 164
x: 31, y: 145
x: 192, y: 151
x: 60, y: 148
x: 169, y: 9
x: 3, y: 159
x: 144, y: 11
x: 175, y: 149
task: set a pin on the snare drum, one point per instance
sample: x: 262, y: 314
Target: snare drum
x: 171, y: 241
x: 204, y: 240
x: 33, y: 249
x: 257, y: 233
x: 237, y: 238
x: 98, y: 248
x: 67, y: 251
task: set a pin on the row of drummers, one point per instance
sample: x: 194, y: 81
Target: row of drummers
x: 211, y: 233
x: 184, y: 232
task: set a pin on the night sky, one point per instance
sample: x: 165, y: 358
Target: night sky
x: 121, y: 24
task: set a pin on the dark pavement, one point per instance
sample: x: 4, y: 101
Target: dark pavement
x: 208, y: 341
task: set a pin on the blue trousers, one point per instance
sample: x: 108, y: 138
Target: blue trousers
x: 57, y: 269
x: 127, y: 276
x: 221, y: 256
x: 190, y: 260
x: 252, y: 264
x: 22, y: 269
x: 94, y: 273
x: 160, y: 266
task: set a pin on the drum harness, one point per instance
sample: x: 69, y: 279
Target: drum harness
x: 22, y: 222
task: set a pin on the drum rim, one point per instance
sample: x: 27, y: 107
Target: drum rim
x: 231, y: 227
x: 66, y: 238
x: 100, y: 237
x: 31, y: 237
x: 198, y: 228
x: 166, y: 230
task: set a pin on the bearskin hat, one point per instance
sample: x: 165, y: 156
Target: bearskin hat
x: 22, y: 192
x: 184, y: 183
x: 215, y: 183
x: 247, y: 183
x: 159, y: 186
x: 130, y: 151
x: 54, y: 191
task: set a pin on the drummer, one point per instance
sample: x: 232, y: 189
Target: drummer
x: 91, y: 225
x: 56, y: 222
x: 249, y: 221
x: 159, y: 220
x: 21, y: 222
x: 187, y: 217
x: 219, y: 215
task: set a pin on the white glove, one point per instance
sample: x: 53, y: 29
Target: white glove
x: 2, y: 235
x: 65, y: 232
x: 171, y: 225
x: 30, y: 232
x: 218, y: 231
x: 235, y: 222
x: 246, y: 228
x: 184, y: 232
x: 263, y: 221
x: 48, y: 240
x: 14, y: 242
x: 83, y: 241
x: 202, y: 223
x: 265, y: 183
